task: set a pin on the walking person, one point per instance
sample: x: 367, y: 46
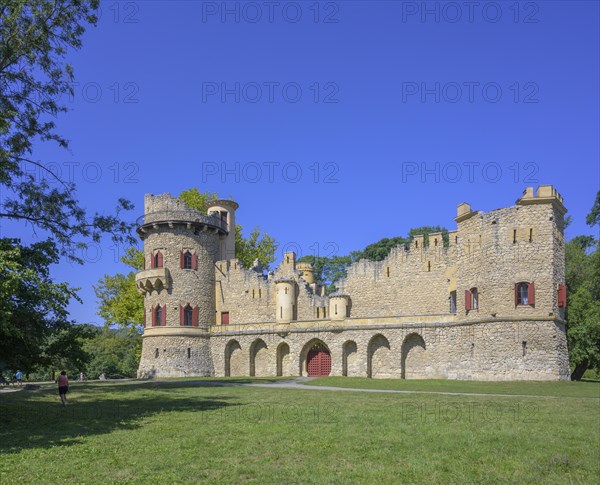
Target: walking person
x: 19, y: 377
x: 63, y: 387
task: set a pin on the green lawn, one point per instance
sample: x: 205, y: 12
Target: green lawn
x: 148, y: 432
x: 538, y: 388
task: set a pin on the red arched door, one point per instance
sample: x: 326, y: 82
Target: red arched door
x: 318, y: 361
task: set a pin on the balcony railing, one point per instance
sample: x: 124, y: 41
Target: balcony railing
x: 182, y: 217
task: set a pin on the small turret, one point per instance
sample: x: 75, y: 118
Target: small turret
x: 225, y: 210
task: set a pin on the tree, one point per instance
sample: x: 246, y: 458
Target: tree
x: 120, y: 302
x: 113, y: 352
x: 247, y: 250
x: 582, y: 275
x: 33, y: 308
x: 36, y: 36
x: 255, y: 247
x: 329, y: 270
x: 593, y: 218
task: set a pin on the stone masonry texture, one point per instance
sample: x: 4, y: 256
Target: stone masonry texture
x: 406, y: 316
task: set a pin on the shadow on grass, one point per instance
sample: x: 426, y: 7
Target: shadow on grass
x: 38, y: 420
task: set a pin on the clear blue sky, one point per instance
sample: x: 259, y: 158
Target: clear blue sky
x: 517, y: 105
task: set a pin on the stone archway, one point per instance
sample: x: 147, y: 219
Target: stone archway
x: 379, y: 357
x: 259, y: 358
x: 413, y: 357
x: 234, y: 359
x: 283, y: 360
x: 315, y: 359
x: 349, y: 358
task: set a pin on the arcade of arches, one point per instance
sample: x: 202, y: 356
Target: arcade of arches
x: 377, y: 359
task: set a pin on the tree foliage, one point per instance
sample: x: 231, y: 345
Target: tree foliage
x: 582, y: 274
x: 113, y: 352
x: 33, y: 306
x: 36, y: 37
x: 329, y: 270
x: 256, y: 246
x: 119, y: 301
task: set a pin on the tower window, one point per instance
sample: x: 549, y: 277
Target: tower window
x: 475, y: 298
x: 157, y: 260
x: 453, y: 302
x: 514, y: 236
x: 189, y: 352
x: 428, y: 265
x: 530, y: 234
x: 187, y: 315
x: 187, y: 260
x: 524, y: 293
x: 471, y: 299
x: 388, y: 271
x: 156, y: 353
x: 158, y: 316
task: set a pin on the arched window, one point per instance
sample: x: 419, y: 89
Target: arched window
x: 158, y: 315
x: 187, y: 260
x: 157, y: 260
x: 188, y: 315
x: 524, y: 293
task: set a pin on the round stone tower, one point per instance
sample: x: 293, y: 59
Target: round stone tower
x: 225, y: 210
x: 181, y: 246
x: 339, y: 306
x: 286, y: 300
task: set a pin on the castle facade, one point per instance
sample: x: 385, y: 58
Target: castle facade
x: 488, y: 304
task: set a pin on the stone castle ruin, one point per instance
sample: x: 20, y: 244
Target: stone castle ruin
x: 488, y: 306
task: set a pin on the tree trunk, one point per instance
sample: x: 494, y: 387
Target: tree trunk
x: 579, y: 370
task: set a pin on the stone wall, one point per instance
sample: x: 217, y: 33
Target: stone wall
x: 417, y: 281
x: 499, y: 350
x: 250, y: 297
x: 175, y: 356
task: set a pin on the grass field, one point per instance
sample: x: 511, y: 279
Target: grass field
x: 177, y: 431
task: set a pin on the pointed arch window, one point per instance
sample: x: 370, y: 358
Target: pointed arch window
x: 157, y: 260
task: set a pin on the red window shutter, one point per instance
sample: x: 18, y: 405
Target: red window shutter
x: 195, y: 261
x: 160, y: 259
x: 153, y: 317
x: 562, y: 296
x: 195, y: 316
x: 467, y: 300
x: 164, y: 314
x: 144, y: 316
x: 531, y: 293
x: 181, y: 259
x: 152, y: 261
x: 516, y: 294
x: 181, y: 315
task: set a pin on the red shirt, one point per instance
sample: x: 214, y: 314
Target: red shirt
x: 63, y: 381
